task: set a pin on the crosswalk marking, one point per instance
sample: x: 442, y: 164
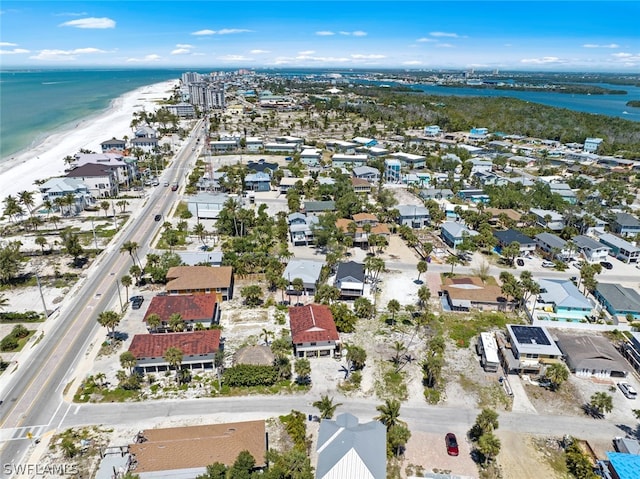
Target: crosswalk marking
x: 22, y: 433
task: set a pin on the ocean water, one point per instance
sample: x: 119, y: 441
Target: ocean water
x: 36, y: 103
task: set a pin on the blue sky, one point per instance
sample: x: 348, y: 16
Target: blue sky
x: 508, y: 35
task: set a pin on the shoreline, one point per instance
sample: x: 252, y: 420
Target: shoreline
x: 45, y: 158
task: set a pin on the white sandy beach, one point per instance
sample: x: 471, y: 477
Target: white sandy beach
x: 46, y: 159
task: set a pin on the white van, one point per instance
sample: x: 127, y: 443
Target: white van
x: 628, y: 390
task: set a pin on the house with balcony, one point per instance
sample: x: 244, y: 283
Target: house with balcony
x: 471, y: 293
x: 361, y: 186
x: 392, y: 171
x: 102, y: 181
x: 436, y: 194
x: 113, y: 145
x: 619, y: 301
x: 480, y: 165
x: 548, y: 219
x: 505, y: 238
x: 201, y: 280
x: 414, y: 216
x: 350, y: 279
x: 360, y: 220
x: 257, y: 182
x: 126, y: 168
x: 560, y: 300
x: 254, y: 144
x: 556, y: 246
x: 148, y: 144
x: 221, y: 146
x: 285, y: 148
x: 625, y: 224
x: 411, y: 161
x: 593, y: 251
x: 432, y: 130
x: 565, y: 191
x: 372, y: 175
x: 193, y: 309
x: 339, y: 160
x: 531, y: 348
x: 55, y: 189
x: 301, y: 228
x: 620, y: 248
x: 591, y: 145
x: 453, y: 233
x: 340, y: 146
x: 199, y: 349
x: 376, y: 152
x: 311, y: 156
x: 307, y: 270
x: 313, y: 331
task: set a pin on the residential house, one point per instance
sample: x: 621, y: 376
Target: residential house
x: 592, y: 356
x: 193, y: 309
x: 478, y: 133
x: 474, y: 195
x: 126, y: 171
x: 409, y: 160
x: 368, y: 142
x: 392, y: 171
x: 113, y: 145
x: 560, y: 300
x: 341, y: 146
x: 619, y: 301
x: 620, y: 465
x: 564, y: 191
x: 148, y: 144
x: 199, y: 349
x: 145, y: 131
x: 201, y: 280
x: 505, y: 238
x: 347, y: 449
x: 253, y: 144
x: 288, y: 182
x: 436, y: 194
x: 311, y: 156
x: 432, y: 130
x: 301, y: 228
x: 313, y: 331
x: 626, y: 225
x: 206, y: 205
x: 262, y: 166
x: 467, y: 293
x: 501, y: 217
x: 592, y: 250
x: 480, y: 166
x: 350, y: 279
x: 372, y: 175
x: 414, y: 216
x: 290, y: 139
x: 556, y: 246
x: 101, y: 180
x: 361, y: 186
x: 307, y: 270
x: 55, y: 189
x: 192, y: 258
x: 548, y: 219
x: 186, y: 451
x: 219, y: 146
x: 257, y: 182
x: 590, y: 225
x: 377, y: 152
x: 531, y: 347
x: 621, y: 249
x: 316, y: 207
x: 339, y: 160
x: 453, y: 233
x: 591, y: 145
x: 213, y: 182
x: 362, y: 219
x: 287, y: 148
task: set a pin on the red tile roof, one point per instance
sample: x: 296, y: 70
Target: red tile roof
x: 192, y: 307
x: 194, y: 343
x: 312, y: 323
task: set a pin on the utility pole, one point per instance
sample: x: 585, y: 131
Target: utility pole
x: 95, y: 240
x: 119, y: 295
x: 115, y: 223
x: 44, y: 305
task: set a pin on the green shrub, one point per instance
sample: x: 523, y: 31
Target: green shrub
x: 248, y: 375
x: 432, y: 396
x: 8, y: 343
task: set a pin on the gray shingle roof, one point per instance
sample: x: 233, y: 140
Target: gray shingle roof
x: 350, y: 269
x: 619, y: 297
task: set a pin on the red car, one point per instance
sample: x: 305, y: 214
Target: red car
x: 452, y: 444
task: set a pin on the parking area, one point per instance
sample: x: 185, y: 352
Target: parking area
x: 429, y: 451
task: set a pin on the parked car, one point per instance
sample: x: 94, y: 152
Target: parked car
x: 136, y: 302
x: 548, y: 264
x: 628, y: 390
x: 520, y: 262
x: 452, y: 444
x: 174, y: 187
x: 166, y: 183
x: 157, y: 217
x: 606, y: 265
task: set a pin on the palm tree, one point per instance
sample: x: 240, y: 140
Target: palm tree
x: 298, y: 286
x: 110, y: 320
x: 389, y: 413
x: 12, y: 208
x: 394, y: 307
x: 326, y: 407
x: 128, y: 360
x: 601, y: 403
x: 398, y: 349
x: 422, y: 268
x: 424, y: 294
x: 489, y: 446
x: 4, y: 302
x: 557, y: 374
x: 26, y: 198
x: 199, y: 231
x: 126, y: 282
x: 282, y: 284
x: 100, y: 377
x: 174, y: 357
x: 55, y: 220
x: 266, y: 334
x: 302, y: 367
x: 104, y: 205
x: 176, y: 323
x: 130, y: 247
x: 122, y: 204
x: 153, y: 321
x: 41, y: 241
x: 453, y: 260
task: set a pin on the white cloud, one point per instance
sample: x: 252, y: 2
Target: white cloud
x: 359, y: 56
x: 56, y: 55
x: 595, y: 45
x: 180, y: 51
x: 425, y: 40
x: 629, y: 58
x: 224, y: 31
x: 325, y: 33
x: 622, y: 55
x: 234, y: 58
x: 444, y: 45
x: 357, y: 33
x: 146, y: 59
x: 14, y: 51
x: 542, y: 60
x: 444, y: 34
x: 91, y: 22
x: 8, y: 44
x: 183, y: 45
x: 412, y: 62
x: 306, y: 52
x: 259, y: 52
x: 322, y: 59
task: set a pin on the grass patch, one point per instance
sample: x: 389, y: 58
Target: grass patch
x: 553, y: 454
x: 10, y: 317
x: 390, y: 383
x: 490, y: 396
x: 462, y: 328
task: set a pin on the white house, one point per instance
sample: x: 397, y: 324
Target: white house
x: 101, y: 180
x: 55, y: 188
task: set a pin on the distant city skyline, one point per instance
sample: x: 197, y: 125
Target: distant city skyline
x: 589, y: 36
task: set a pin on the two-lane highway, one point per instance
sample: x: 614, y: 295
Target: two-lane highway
x: 33, y: 397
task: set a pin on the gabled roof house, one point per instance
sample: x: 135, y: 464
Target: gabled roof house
x: 313, y: 331
x: 193, y: 308
x: 201, y: 280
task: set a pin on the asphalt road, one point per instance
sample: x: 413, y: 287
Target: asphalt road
x: 33, y: 400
